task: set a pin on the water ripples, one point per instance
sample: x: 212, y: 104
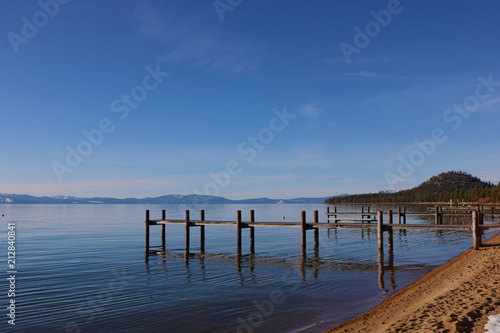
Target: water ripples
x: 85, y: 267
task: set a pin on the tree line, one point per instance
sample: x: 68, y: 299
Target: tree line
x: 457, y: 186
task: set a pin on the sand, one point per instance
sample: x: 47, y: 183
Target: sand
x: 456, y: 297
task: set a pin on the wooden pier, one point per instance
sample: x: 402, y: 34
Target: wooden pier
x: 366, y: 215
x: 437, y: 212
x: 451, y: 210
x: 477, y: 226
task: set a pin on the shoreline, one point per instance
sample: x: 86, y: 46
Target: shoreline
x: 468, y: 204
x: 455, y: 297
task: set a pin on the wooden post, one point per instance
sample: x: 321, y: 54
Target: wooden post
x: 436, y: 214
x: 163, y: 227
x: 316, y: 230
x: 476, y: 231
x: 380, y: 232
x: 303, y: 229
x: 238, y: 232
x: 481, y: 222
x: 335, y: 216
x: 399, y: 214
x: 202, y: 231
x: 380, y: 229
x: 389, y: 230
x: 390, y: 262
x: 252, y: 232
x: 404, y: 214
x: 327, y: 214
x: 187, y: 231
x: 147, y: 230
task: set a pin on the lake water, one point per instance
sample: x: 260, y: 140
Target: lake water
x: 84, y: 268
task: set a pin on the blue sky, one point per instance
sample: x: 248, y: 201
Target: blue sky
x: 246, y: 98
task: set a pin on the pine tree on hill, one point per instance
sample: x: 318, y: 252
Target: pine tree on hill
x: 455, y: 185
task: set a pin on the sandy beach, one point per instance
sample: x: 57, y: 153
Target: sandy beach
x: 456, y: 297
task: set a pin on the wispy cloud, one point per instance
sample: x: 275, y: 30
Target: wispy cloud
x: 312, y: 158
x: 214, y: 54
x: 311, y: 110
x: 305, y: 155
x: 191, y: 41
x: 383, y: 60
x: 367, y: 60
x: 388, y: 76
x: 154, y: 26
x: 491, y: 104
x: 416, y: 94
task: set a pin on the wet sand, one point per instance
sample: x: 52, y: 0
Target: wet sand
x: 456, y: 297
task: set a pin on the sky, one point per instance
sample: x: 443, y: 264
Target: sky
x: 246, y: 99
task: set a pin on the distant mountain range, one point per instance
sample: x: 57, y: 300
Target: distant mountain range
x: 165, y: 199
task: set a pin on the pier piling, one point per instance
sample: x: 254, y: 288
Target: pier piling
x: 147, y: 229
x: 303, y: 227
x: 238, y: 226
x: 380, y: 229
x: 475, y: 227
x: 476, y: 231
x: 163, y: 217
x: 187, y: 232
x: 380, y: 234
x: 316, y: 230
x: 390, y: 235
x: 202, y: 231
x: 252, y: 232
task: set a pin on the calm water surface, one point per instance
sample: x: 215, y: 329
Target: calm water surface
x: 84, y: 268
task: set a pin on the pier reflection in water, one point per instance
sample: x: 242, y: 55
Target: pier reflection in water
x: 313, y: 261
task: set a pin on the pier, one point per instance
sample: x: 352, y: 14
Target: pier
x: 437, y: 212
x: 340, y: 219
x: 384, y: 224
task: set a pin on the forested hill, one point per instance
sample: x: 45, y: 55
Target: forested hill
x: 453, y: 185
